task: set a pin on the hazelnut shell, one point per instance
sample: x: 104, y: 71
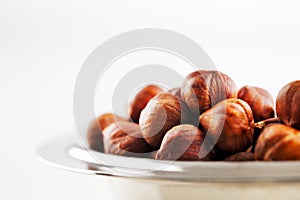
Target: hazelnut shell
x: 260, y: 101
x: 94, y: 132
x: 278, y: 142
x: 230, y: 125
x: 125, y: 138
x: 184, y: 142
x: 140, y: 101
x: 288, y: 104
x: 162, y: 113
x: 203, y: 89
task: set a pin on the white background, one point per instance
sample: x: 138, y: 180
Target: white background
x: 44, y: 43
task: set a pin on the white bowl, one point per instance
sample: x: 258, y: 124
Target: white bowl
x: 138, y: 178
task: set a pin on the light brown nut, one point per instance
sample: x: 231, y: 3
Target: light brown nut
x: 230, y: 125
x: 260, y: 101
x: 259, y: 126
x: 203, y: 89
x: 288, y: 104
x: 125, y: 138
x: 278, y: 142
x: 140, y: 101
x: 184, y: 142
x: 162, y: 113
x: 94, y: 132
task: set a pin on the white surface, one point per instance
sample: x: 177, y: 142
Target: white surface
x: 43, y: 44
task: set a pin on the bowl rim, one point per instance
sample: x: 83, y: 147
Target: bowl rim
x: 67, y: 153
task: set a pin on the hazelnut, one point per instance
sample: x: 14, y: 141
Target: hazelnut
x: 162, y: 113
x: 203, y: 89
x: 94, y: 132
x: 192, y: 118
x: 259, y: 126
x: 140, y: 101
x: 241, y: 156
x: 125, y: 138
x: 230, y: 125
x: 183, y: 142
x: 287, y: 104
x: 260, y: 101
x: 278, y: 142
x: 176, y: 92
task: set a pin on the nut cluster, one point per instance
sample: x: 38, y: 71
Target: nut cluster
x: 205, y: 119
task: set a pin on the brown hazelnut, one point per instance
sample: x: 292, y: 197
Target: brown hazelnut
x: 278, y: 142
x: 176, y: 92
x: 94, y: 132
x: 230, y: 125
x: 287, y: 104
x: 192, y: 117
x: 125, y: 138
x: 259, y: 126
x: 260, y: 101
x: 183, y: 142
x: 162, y: 113
x: 241, y: 156
x: 140, y: 101
x: 203, y: 89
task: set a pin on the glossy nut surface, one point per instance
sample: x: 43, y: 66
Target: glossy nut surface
x: 94, y: 132
x: 260, y: 101
x: 278, y: 142
x: 140, y: 101
x: 288, y: 104
x: 203, y: 89
x: 125, y: 138
x: 183, y: 142
x: 162, y: 113
x: 230, y: 125
x: 259, y: 126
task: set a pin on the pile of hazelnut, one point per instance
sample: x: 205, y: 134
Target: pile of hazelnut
x: 206, y: 119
